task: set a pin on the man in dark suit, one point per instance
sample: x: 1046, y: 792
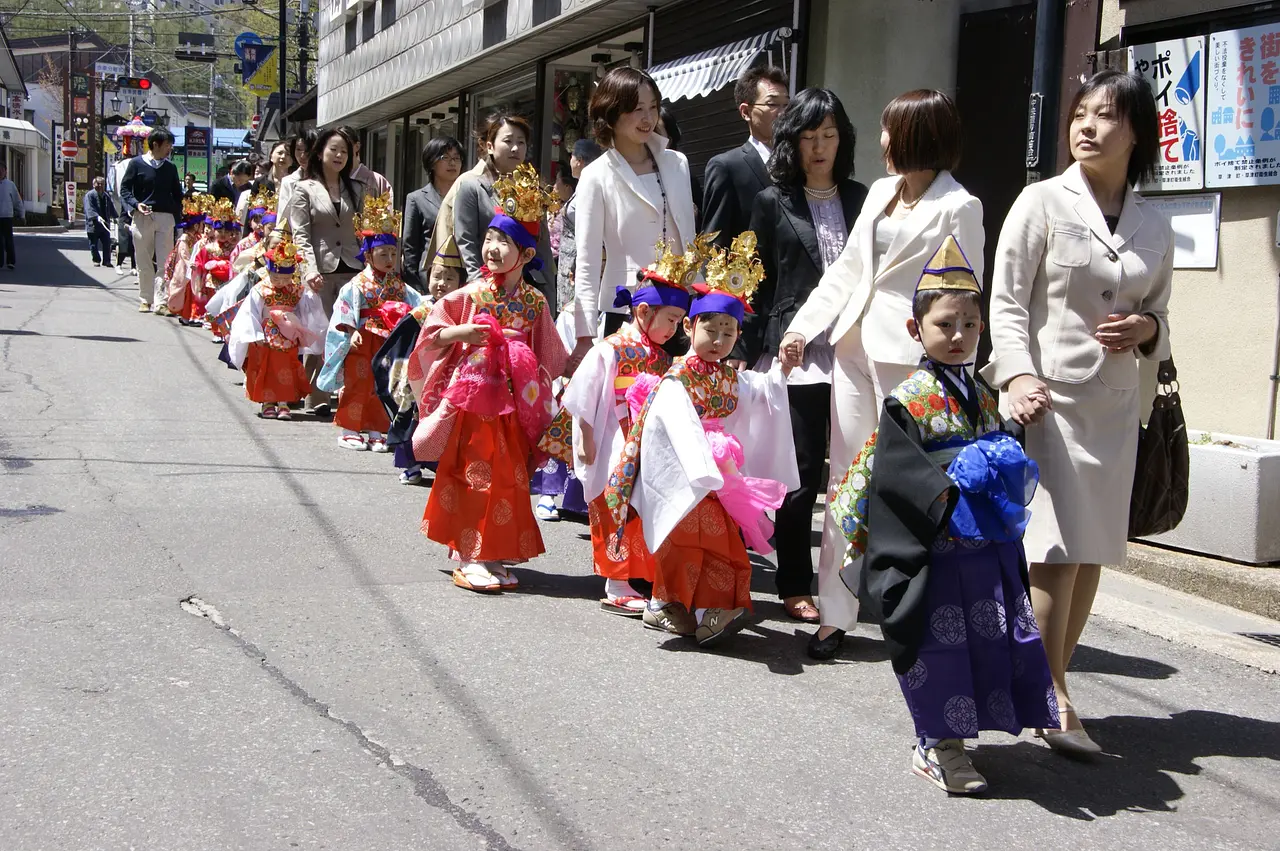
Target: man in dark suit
x: 99, y: 213
x: 230, y: 185
x: 734, y: 178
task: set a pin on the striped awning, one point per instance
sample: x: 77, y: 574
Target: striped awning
x: 703, y: 73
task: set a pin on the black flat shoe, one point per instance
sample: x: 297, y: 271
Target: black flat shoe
x: 823, y: 649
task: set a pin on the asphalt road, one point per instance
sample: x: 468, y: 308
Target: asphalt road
x: 332, y: 689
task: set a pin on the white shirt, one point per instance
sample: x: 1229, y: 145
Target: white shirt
x: 761, y: 148
x: 886, y: 230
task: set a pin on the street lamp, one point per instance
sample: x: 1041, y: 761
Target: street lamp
x: 115, y: 104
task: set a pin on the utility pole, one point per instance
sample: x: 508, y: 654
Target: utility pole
x: 130, y: 41
x: 282, y: 52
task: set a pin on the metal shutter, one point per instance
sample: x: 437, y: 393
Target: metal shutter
x: 711, y: 125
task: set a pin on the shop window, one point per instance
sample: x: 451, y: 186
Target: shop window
x: 388, y: 13
x: 495, y: 24
x: 369, y: 22
x: 353, y: 33
x: 545, y: 10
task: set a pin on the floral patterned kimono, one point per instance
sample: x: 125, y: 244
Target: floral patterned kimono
x: 247, y: 244
x: 264, y: 340
x: 710, y: 448
x: 210, y: 269
x: 479, y: 505
x: 597, y: 395
x: 954, y: 606
x: 176, y: 270
x: 363, y: 304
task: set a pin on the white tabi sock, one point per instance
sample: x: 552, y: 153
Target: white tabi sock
x: 375, y: 435
x: 615, y: 588
x: 656, y: 605
x: 698, y: 613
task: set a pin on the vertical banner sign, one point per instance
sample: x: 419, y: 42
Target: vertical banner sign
x: 197, y: 153
x: 1244, y: 107
x: 71, y: 201
x: 1175, y: 71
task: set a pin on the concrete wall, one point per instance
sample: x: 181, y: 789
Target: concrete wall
x: 1224, y: 322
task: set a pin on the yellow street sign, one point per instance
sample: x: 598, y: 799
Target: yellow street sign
x: 266, y: 79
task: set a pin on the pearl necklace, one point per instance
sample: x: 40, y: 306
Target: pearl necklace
x: 822, y: 194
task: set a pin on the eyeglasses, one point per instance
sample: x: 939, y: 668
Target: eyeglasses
x: 451, y: 158
x: 773, y: 106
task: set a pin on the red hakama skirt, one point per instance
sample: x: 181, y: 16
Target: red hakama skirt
x: 628, y: 559
x: 274, y: 375
x: 359, y: 408
x: 479, y: 504
x: 703, y: 563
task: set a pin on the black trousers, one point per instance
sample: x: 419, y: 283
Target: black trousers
x: 810, y: 420
x: 100, y: 243
x: 7, y: 255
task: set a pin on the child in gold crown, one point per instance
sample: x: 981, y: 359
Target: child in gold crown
x: 177, y: 267
x: 367, y: 309
x: 211, y: 261
x: 260, y: 220
x: 481, y: 372
x: 591, y: 430
x: 709, y: 451
x: 934, y: 507
x: 279, y: 320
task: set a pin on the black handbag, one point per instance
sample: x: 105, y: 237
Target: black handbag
x: 1160, y: 481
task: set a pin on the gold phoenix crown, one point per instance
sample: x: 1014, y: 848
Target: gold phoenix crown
x: 738, y: 271
x: 264, y: 198
x: 284, y: 254
x: 523, y: 196
x: 680, y: 270
x: 949, y: 269
x: 222, y: 210
x: 196, y: 205
x: 378, y: 216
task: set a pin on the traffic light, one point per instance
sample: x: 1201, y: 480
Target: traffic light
x: 141, y: 83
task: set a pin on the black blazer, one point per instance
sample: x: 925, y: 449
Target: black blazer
x: 421, y: 207
x: 788, y: 246
x: 731, y: 182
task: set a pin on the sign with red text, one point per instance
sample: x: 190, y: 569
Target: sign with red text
x: 1243, y: 107
x: 1175, y: 72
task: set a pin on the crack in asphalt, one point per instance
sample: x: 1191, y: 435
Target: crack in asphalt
x: 425, y: 784
x: 29, y: 378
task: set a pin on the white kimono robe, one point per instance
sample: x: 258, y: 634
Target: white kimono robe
x: 246, y: 328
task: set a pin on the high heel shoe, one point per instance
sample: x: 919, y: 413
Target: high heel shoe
x: 1071, y: 742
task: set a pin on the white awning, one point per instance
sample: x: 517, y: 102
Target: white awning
x: 703, y: 73
x: 22, y: 134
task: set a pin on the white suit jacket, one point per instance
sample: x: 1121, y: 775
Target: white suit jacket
x: 618, y: 225
x: 853, y: 289
x: 1059, y: 273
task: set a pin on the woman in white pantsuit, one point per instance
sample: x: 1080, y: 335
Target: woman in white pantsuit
x: 864, y: 299
x: 1080, y: 291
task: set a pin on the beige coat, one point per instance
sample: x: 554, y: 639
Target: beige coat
x: 1060, y: 272
x: 857, y: 288
x: 325, y: 236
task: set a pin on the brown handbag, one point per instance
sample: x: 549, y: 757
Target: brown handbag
x: 1161, y: 478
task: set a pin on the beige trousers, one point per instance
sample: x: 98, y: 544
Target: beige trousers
x: 858, y: 389
x: 152, y: 242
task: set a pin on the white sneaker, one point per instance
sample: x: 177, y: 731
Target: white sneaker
x: 948, y: 767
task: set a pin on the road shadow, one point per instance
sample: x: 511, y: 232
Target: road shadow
x: 93, y: 338
x: 1095, y: 660
x: 1134, y: 775
x: 779, y: 651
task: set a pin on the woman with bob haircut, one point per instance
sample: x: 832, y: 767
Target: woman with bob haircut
x: 504, y: 144
x: 441, y: 163
x: 802, y: 223
x: 633, y: 196
x: 1080, y: 292
x: 865, y: 299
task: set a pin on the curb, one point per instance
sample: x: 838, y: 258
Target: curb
x: 1244, y: 587
x: 43, y: 229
